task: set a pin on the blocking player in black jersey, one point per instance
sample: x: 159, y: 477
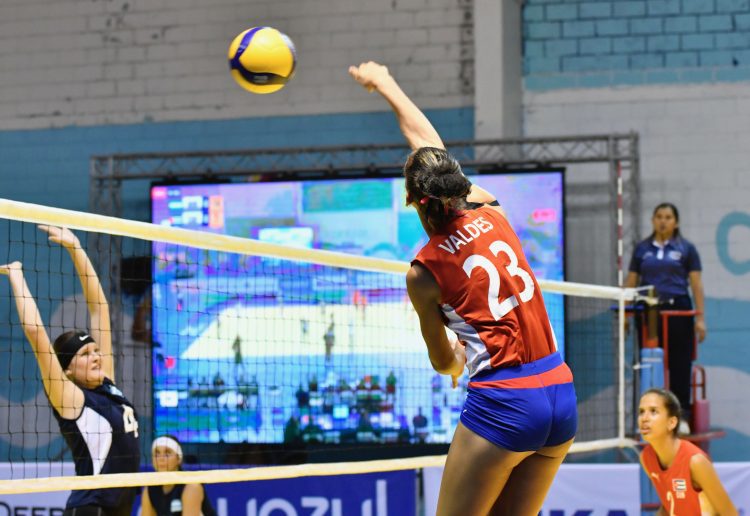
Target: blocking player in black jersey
x: 96, y: 420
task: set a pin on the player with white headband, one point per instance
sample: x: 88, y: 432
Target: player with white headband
x: 171, y: 500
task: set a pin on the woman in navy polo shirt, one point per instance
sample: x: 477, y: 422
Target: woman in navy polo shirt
x: 671, y: 264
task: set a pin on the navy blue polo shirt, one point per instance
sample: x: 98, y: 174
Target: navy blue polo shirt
x: 666, y: 268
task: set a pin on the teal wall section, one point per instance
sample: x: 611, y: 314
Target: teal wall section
x: 51, y: 166
x: 588, y: 44
x: 725, y: 347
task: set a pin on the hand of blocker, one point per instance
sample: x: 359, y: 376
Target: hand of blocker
x: 369, y: 74
x: 62, y: 236
x: 10, y: 268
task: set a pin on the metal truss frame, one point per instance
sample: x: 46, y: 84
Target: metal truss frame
x: 620, y: 153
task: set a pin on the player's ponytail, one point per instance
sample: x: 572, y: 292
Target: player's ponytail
x: 435, y: 181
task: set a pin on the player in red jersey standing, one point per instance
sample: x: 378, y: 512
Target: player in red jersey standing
x: 472, y: 277
x: 682, y: 474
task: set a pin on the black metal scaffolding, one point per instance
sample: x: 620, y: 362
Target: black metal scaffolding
x: 619, y: 152
x: 602, y: 196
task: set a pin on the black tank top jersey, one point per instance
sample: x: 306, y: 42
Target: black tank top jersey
x: 170, y: 504
x: 103, y: 439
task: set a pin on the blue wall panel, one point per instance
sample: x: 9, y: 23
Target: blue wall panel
x: 689, y: 37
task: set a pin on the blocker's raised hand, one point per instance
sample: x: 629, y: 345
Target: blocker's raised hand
x: 10, y: 268
x: 62, y: 236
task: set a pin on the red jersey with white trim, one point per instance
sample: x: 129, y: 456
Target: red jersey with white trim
x: 490, y: 297
x: 674, y: 485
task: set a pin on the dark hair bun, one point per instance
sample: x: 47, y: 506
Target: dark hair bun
x: 437, y: 174
x: 435, y: 180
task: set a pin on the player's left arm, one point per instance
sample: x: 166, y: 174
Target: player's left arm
x: 147, y: 509
x: 424, y: 293
x: 480, y: 195
x: 704, y: 475
x: 192, y: 499
x: 96, y: 301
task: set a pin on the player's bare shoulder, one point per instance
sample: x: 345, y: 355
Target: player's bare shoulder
x: 420, y: 278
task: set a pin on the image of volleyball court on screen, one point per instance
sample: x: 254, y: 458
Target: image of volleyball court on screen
x: 264, y: 350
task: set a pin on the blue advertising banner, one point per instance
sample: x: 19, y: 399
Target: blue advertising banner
x: 578, y: 490
x: 373, y: 494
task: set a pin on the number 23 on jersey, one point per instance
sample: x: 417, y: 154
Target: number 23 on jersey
x: 501, y: 307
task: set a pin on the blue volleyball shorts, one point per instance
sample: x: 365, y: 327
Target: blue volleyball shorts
x: 523, y: 408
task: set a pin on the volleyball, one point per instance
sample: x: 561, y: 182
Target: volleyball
x: 262, y: 59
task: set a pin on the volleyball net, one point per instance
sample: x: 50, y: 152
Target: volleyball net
x: 263, y: 354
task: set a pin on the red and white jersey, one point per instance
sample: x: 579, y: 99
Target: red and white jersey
x: 674, y: 485
x: 490, y: 297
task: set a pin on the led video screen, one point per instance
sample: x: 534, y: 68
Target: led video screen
x: 262, y: 350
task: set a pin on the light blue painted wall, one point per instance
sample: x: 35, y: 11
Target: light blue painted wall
x: 585, y: 44
x: 51, y: 167
x: 617, y: 45
x: 726, y: 347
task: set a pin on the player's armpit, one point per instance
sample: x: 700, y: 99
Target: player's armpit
x: 66, y: 398
x: 480, y: 195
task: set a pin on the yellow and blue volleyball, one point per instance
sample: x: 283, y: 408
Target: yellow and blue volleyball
x: 262, y: 59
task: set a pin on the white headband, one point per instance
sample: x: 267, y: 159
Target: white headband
x: 168, y: 442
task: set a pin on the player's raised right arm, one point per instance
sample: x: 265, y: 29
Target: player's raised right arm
x: 63, y: 394
x: 414, y: 125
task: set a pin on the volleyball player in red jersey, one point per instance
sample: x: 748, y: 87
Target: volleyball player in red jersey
x: 519, y: 417
x: 682, y: 474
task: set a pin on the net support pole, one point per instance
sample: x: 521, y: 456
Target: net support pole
x: 621, y: 365
x: 635, y: 181
x: 620, y: 228
x: 615, y: 194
